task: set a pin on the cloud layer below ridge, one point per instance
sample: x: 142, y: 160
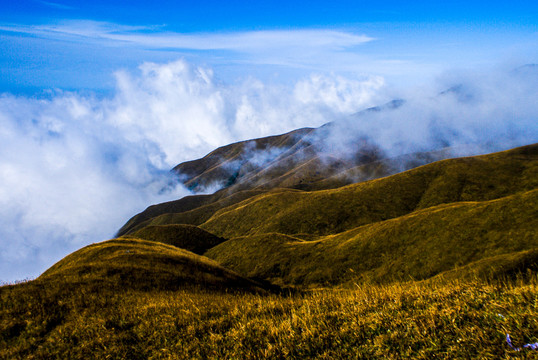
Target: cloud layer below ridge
x: 74, y: 168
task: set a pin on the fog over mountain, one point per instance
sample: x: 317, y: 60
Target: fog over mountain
x: 74, y: 167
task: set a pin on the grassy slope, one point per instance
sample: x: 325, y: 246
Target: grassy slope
x: 408, y: 320
x: 197, y: 215
x: 221, y: 165
x: 380, y: 168
x: 184, y: 204
x: 326, y: 212
x: 418, y: 245
x: 144, y: 265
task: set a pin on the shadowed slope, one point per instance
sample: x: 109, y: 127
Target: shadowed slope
x: 143, y: 265
x: 187, y: 237
x: 184, y: 204
x: 180, y: 214
x: 506, y: 267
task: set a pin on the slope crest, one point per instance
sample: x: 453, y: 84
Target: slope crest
x: 126, y: 264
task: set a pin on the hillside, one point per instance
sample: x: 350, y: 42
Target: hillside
x: 187, y: 237
x: 415, y: 224
x: 414, y: 246
x: 138, y: 264
x: 479, y: 178
x: 294, y: 159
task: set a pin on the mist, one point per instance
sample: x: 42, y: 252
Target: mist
x: 470, y: 113
x: 75, y: 167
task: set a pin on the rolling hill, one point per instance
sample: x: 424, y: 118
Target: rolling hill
x: 136, y: 264
x: 415, y: 224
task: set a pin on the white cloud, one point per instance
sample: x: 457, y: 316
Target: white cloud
x: 55, y: 5
x: 156, y: 37
x: 74, y: 168
x: 337, y: 92
x: 490, y: 110
x: 67, y: 177
x: 300, y: 49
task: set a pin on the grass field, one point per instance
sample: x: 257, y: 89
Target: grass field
x: 417, y: 320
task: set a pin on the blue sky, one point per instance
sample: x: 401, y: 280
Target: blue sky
x: 78, y: 45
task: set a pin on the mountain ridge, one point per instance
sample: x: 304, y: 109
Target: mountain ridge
x: 258, y: 226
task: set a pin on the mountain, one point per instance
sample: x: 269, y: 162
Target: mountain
x: 416, y: 224
x: 304, y: 159
x: 298, y: 159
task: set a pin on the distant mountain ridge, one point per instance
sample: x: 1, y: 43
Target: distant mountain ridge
x: 296, y: 159
x: 302, y: 159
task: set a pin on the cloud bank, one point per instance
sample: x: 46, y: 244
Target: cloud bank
x: 471, y: 112
x: 74, y: 168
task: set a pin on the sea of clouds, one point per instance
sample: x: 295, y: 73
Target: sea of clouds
x: 74, y: 168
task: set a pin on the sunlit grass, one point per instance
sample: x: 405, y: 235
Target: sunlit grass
x: 464, y: 238
x: 418, y: 320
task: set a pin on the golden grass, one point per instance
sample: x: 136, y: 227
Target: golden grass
x: 457, y: 224
x: 407, y: 320
x: 333, y: 211
x: 418, y: 245
x: 465, y: 179
x: 131, y: 263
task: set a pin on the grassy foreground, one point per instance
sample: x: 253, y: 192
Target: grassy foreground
x: 416, y: 320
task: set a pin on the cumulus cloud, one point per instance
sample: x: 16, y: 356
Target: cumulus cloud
x: 74, y: 168
x: 67, y: 178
